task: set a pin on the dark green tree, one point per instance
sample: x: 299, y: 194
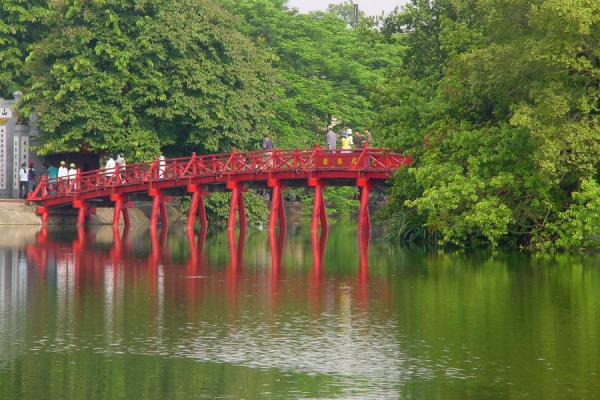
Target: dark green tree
x: 22, y: 22
x: 322, y: 68
x: 503, y: 121
x: 121, y: 75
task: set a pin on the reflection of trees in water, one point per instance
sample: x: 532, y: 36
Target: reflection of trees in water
x: 413, y: 316
x: 13, y: 303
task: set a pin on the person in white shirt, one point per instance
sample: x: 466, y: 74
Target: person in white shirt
x: 121, y: 161
x: 63, y: 172
x: 350, y: 138
x: 110, y: 166
x: 23, y: 181
x: 72, y: 175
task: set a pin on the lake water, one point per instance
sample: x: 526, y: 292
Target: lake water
x: 159, y: 317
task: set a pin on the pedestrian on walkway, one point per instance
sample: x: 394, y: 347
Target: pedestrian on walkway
x: 346, y: 143
x: 23, y: 181
x: 72, y: 176
x: 331, y: 138
x: 32, y: 176
x: 110, y: 166
x: 63, y: 172
x: 52, y: 172
x: 121, y: 162
x: 368, y: 140
x: 268, y: 148
x: 359, y: 140
x: 350, y: 138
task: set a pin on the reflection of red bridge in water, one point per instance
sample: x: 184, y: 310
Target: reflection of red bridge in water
x: 84, y: 260
x: 237, y: 172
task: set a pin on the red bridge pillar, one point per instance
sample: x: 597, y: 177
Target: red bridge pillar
x: 158, y: 206
x: 236, y: 206
x: 197, y: 206
x: 121, y: 207
x: 80, y: 206
x: 364, y: 219
x: 83, y: 210
x: 319, y: 210
x: 277, y: 206
x: 44, y: 213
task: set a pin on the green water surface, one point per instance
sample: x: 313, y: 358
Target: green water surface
x: 83, y: 317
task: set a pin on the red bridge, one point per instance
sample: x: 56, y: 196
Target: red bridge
x: 237, y: 172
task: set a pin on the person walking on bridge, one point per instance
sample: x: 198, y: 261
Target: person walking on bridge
x: 120, y: 162
x: 72, y: 176
x: 359, y: 140
x: 346, y: 143
x: 110, y: 166
x: 268, y: 148
x: 63, y: 172
x: 52, y: 172
x: 331, y: 138
x: 23, y: 181
x: 32, y: 175
x: 368, y: 139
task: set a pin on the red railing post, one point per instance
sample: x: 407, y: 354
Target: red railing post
x: 77, y: 184
x: 194, y: 166
x: 117, y: 174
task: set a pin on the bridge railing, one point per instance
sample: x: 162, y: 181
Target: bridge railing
x: 254, y: 162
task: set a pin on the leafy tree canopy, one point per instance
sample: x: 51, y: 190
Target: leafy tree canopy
x: 122, y: 75
x: 499, y: 100
x: 322, y: 68
x: 22, y: 23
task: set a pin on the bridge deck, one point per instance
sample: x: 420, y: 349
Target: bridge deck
x: 313, y: 167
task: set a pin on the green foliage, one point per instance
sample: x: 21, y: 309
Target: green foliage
x: 322, y: 68
x: 217, y: 208
x: 577, y: 227
x: 22, y: 22
x: 133, y: 76
x: 504, y: 122
x: 341, y: 201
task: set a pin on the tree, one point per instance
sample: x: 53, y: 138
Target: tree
x: 23, y: 22
x: 504, y: 122
x: 345, y: 11
x: 120, y: 75
x: 322, y: 68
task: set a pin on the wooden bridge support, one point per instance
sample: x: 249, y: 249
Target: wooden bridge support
x: 158, y: 206
x: 319, y: 210
x: 236, y: 206
x: 197, y: 206
x: 121, y: 207
x: 364, y: 218
x: 277, y: 206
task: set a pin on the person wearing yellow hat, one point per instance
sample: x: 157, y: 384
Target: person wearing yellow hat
x: 63, y: 172
x: 72, y: 176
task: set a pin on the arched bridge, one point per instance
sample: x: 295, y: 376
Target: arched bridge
x: 237, y: 172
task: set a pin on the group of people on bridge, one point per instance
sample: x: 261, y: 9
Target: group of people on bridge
x: 348, y: 141
x: 62, y: 175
